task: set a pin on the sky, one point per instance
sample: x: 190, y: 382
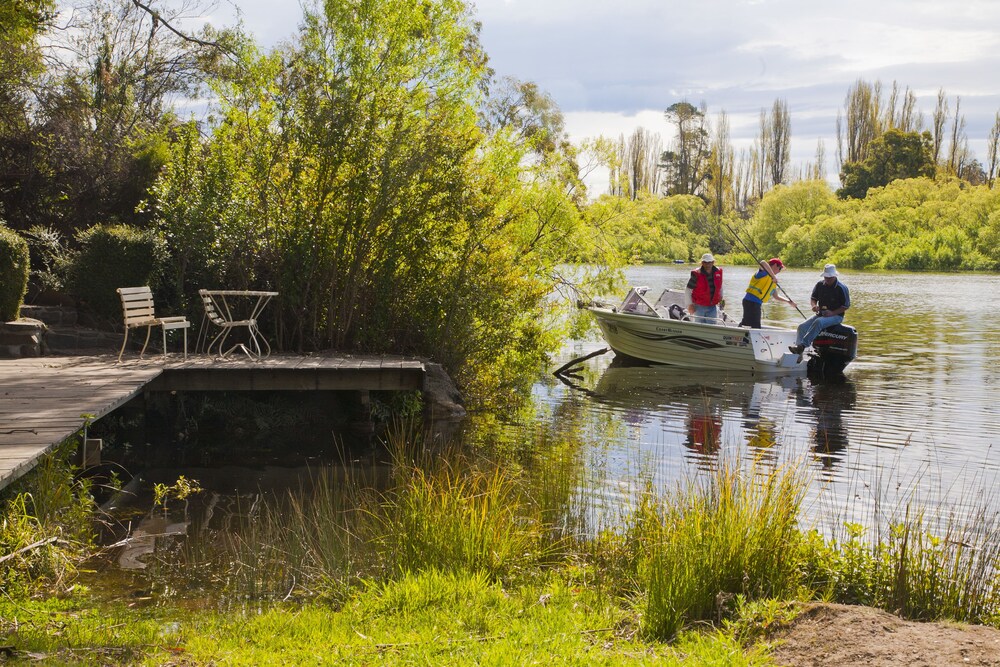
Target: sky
x: 614, y: 65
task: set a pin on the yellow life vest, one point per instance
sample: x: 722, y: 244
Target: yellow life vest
x: 761, y: 287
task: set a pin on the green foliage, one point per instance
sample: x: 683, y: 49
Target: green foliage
x: 913, y: 570
x: 46, y: 520
x: 14, y: 269
x: 736, y: 534
x: 801, y: 204
x: 915, y: 224
x: 350, y: 175
x: 49, y: 258
x: 113, y: 256
x: 892, y: 156
x: 651, y: 229
x: 182, y: 489
x: 477, y: 521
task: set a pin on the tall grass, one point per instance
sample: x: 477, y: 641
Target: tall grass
x: 732, y: 533
x: 921, y: 569
x: 46, y: 525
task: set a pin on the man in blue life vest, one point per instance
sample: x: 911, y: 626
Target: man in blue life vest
x: 704, y: 291
x: 762, y: 287
x: 830, y: 300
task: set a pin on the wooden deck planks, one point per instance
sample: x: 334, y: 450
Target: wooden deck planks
x: 43, y: 400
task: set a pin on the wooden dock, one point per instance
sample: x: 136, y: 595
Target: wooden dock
x: 45, y: 400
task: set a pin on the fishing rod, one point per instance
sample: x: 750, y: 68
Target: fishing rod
x: 773, y: 277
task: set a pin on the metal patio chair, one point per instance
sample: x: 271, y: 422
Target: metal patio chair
x: 138, y: 311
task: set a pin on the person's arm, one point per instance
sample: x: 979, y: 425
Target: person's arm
x: 782, y: 299
x: 842, y: 309
x: 767, y: 267
x: 689, y: 292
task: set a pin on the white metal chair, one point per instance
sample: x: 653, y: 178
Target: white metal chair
x: 221, y: 316
x: 137, y: 310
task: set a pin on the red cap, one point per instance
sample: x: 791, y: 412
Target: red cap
x: 778, y: 262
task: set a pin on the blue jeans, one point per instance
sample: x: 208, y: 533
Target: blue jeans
x: 706, y: 314
x: 809, y: 329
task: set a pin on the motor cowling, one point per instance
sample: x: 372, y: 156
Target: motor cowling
x: 835, y: 347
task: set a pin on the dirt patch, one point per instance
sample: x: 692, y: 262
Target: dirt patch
x: 834, y: 634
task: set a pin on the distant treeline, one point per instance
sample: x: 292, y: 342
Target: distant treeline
x: 911, y: 224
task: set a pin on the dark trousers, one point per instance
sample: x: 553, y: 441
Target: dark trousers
x: 751, y: 314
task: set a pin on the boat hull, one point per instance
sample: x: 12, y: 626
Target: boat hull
x: 694, y: 345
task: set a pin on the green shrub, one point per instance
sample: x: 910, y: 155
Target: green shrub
x: 113, y: 256
x: 733, y: 534
x: 14, y: 266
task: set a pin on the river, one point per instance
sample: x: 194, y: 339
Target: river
x: 914, y: 419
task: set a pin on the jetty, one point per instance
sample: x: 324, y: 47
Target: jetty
x: 45, y: 400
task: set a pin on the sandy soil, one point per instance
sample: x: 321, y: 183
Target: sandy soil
x: 833, y: 634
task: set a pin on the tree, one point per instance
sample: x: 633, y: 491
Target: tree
x: 775, y: 141
x: 894, y: 155
x: 721, y: 169
x: 993, y: 151
x: 20, y: 64
x: 684, y: 162
x: 99, y: 117
x: 638, y: 157
x: 351, y: 172
x: 958, y: 153
x: 938, y: 120
x: 861, y: 123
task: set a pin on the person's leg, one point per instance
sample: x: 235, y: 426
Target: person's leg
x: 706, y: 314
x: 803, y: 328
x: 751, y: 314
x: 818, y: 325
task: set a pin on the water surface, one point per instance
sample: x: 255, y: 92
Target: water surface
x: 916, y: 415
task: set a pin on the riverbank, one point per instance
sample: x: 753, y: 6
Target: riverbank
x: 468, y: 561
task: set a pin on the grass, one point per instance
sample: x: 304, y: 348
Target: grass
x: 466, y: 560
x: 419, y: 619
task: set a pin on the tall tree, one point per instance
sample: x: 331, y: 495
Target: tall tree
x: 775, y: 141
x: 819, y: 171
x: 683, y: 163
x: 861, y: 122
x: 958, y: 151
x: 993, y: 151
x: 639, y: 156
x: 938, y: 120
x: 721, y: 169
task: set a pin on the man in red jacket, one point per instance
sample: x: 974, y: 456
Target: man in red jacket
x: 704, y: 291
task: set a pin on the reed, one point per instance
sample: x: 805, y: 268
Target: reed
x: 733, y: 533
x: 448, y: 519
x: 922, y: 569
x: 46, y: 525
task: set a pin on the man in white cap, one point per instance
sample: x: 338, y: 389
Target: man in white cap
x: 704, y: 291
x: 830, y: 300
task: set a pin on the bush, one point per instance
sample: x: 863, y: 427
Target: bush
x: 14, y: 266
x: 113, y: 256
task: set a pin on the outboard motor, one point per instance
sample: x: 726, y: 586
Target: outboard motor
x: 835, y: 347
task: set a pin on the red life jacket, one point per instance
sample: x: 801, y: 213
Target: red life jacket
x: 701, y: 295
